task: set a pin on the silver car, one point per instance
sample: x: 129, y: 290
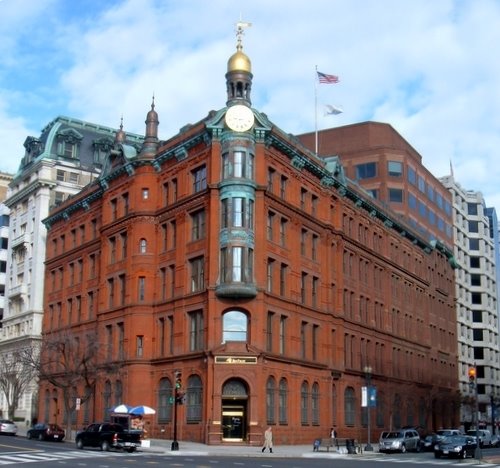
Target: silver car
x: 399, y: 441
x: 8, y: 427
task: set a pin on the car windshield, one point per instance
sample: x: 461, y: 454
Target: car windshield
x: 455, y: 439
x: 393, y: 435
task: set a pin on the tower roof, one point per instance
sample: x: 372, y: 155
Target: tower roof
x: 239, y: 61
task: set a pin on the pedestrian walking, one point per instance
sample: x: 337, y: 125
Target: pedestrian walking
x: 268, y: 440
x: 333, y: 436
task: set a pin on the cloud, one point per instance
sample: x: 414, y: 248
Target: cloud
x: 426, y: 67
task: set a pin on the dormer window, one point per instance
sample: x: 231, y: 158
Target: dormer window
x: 68, y: 143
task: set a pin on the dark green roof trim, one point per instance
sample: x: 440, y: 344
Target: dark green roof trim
x: 180, y: 151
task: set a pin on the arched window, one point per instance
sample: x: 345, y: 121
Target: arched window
x: 380, y: 409
x: 234, y: 326
x: 349, y: 406
x: 315, y: 403
x: 397, y: 411
x: 106, y: 400
x: 118, y: 392
x: 283, y: 402
x: 164, y: 405
x: 47, y: 405
x: 143, y: 246
x: 194, y: 399
x: 421, y: 412
x: 304, y: 403
x: 270, y: 400
x: 410, y: 416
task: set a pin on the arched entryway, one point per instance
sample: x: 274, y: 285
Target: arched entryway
x: 234, y: 410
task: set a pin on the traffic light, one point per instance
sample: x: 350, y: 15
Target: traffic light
x: 178, y: 380
x: 472, y: 375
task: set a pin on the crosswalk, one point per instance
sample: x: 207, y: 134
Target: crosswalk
x: 445, y: 462
x: 12, y: 458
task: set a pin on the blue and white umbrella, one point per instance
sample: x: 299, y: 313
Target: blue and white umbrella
x: 141, y: 410
x: 124, y: 409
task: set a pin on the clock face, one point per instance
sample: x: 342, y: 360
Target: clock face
x: 239, y: 118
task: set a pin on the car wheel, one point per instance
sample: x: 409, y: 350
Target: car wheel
x: 40, y: 436
x: 105, y: 446
x: 79, y: 444
x: 418, y: 448
x: 30, y: 436
x: 463, y: 454
x: 131, y: 450
x: 403, y: 448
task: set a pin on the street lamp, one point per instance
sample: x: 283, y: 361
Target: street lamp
x: 368, y: 378
x: 473, y: 388
x: 177, y: 397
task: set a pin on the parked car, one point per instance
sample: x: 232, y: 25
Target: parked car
x: 8, y: 427
x: 44, y: 431
x: 484, y: 436
x: 429, y: 441
x: 442, y: 433
x: 460, y: 446
x: 399, y: 441
x: 108, y: 436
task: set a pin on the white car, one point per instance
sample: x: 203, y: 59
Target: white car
x: 8, y: 427
x: 484, y: 437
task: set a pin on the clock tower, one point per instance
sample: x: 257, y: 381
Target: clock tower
x: 237, y: 186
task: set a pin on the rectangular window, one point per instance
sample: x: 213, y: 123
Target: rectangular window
x: 303, y: 196
x: 163, y: 283
x: 139, y: 345
x: 196, y: 331
x: 197, y: 269
x: 282, y: 335
x: 473, y: 226
x: 125, y: 204
x: 122, y: 286
x: 303, y: 340
x: 396, y: 195
x: 112, y: 249
x: 283, y: 226
x: 366, y: 171
x: 303, y: 241
x: 161, y: 334
x: 283, y: 184
x: 395, y: 168
x: 472, y: 209
x: 270, y: 274
x: 315, y: 291
x: 109, y: 342
x: 473, y: 244
x: 114, y: 209
x: 283, y: 275
x: 141, y: 289
x: 111, y: 292
x: 303, y: 287
x: 270, y: 225
x: 121, y: 340
x: 315, y: 332
x: 271, y: 173
x: 314, y: 248
x: 314, y: 205
x: 123, y: 241
x: 269, y: 325
x: 199, y: 179
x: 198, y: 225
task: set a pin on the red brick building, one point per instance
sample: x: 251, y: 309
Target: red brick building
x: 232, y: 254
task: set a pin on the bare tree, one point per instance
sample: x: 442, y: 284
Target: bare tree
x: 16, y: 375
x: 72, y: 363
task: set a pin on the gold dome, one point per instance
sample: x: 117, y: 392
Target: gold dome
x: 239, y: 62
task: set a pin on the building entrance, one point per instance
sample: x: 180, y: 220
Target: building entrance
x: 234, y: 410
x: 234, y: 421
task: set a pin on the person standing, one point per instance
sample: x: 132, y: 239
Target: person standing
x: 333, y: 436
x: 268, y: 440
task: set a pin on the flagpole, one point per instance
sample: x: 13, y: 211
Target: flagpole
x: 316, y: 111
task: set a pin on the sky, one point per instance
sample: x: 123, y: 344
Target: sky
x: 428, y: 68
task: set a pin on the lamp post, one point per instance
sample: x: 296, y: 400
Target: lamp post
x: 473, y: 388
x: 368, y: 378
x: 177, y: 396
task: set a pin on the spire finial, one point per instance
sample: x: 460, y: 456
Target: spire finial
x: 240, y: 31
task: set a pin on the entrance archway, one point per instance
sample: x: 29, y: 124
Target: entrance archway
x: 234, y: 410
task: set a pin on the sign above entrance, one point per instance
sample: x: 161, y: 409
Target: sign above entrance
x: 235, y: 360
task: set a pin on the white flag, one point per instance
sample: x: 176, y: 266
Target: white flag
x: 333, y: 110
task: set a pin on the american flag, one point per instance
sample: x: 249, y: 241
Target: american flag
x: 329, y: 79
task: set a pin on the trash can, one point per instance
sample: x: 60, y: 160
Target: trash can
x: 349, y: 445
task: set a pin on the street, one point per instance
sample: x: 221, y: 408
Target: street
x: 19, y: 451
